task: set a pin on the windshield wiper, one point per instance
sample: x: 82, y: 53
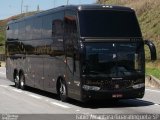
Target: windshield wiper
x: 94, y: 72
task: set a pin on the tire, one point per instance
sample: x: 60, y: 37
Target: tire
x: 63, y: 94
x: 16, y: 81
x: 22, y: 82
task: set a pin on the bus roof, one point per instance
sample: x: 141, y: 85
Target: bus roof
x: 76, y: 8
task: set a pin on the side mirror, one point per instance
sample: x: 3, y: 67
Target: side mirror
x: 152, y: 49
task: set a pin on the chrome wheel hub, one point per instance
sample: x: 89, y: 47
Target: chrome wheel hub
x: 63, y: 89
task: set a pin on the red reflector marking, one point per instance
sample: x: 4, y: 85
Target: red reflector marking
x: 117, y: 96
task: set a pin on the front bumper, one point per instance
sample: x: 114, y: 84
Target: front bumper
x: 113, y: 94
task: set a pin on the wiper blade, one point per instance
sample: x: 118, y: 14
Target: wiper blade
x: 95, y: 72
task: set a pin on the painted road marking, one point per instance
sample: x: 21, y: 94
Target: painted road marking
x: 16, y: 90
x: 3, y: 86
x: 60, y: 105
x: 153, y: 90
x: 20, y: 91
x: 34, y: 96
x: 2, y: 73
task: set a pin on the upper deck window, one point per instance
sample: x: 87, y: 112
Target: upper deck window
x: 108, y: 23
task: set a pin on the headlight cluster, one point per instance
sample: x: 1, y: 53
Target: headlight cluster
x: 138, y: 85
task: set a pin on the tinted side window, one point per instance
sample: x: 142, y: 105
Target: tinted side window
x: 37, y: 28
x: 57, y: 24
x: 47, y: 26
x: 29, y: 29
x: 15, y: 31
x: 10, y: 32
x: 21, y: 32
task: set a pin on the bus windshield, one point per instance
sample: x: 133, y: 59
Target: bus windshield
x: 114, y: 59
x: 108, y: 23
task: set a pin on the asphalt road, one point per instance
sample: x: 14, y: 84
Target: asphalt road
x: 33, y: 103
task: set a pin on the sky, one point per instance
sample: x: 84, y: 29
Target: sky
x: 13, y: 7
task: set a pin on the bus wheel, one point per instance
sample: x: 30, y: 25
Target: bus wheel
x: 63, y: 91
x: 16, y: 80
x: 22, y: 82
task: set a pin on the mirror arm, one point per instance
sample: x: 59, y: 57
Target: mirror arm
x: 152, y: 49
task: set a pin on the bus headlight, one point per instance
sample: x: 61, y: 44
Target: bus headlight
x: 94, y: 88
x: 138, y: 85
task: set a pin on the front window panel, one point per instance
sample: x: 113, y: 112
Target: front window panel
x: 113, y: 59
x: 108, y: 23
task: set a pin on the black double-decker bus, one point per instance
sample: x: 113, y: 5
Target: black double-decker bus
x: 82, y: 52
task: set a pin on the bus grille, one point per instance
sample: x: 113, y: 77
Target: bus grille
x: 120, y: 84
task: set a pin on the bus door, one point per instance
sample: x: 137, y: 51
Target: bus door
x: 72, y: 54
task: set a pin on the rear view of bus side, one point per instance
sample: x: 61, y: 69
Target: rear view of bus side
x: 82, y: 52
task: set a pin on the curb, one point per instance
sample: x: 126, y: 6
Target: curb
x: 2, y: 64
x: 151, y: 81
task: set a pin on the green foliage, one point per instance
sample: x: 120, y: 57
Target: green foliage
x: 153, y: 71
x: 2, y: 39
x: 153, y: 68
